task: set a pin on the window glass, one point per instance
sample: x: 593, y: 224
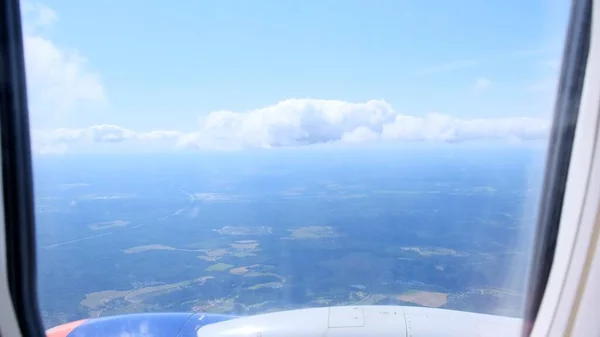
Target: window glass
x: 249, y: 157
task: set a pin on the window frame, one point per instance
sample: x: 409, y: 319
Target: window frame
x: 558, y: 156
x: 17, y: 179
x: 569, y: 304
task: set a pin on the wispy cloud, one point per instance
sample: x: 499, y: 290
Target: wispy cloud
x: 448, y: 66
x: 455, y: 65
x: 552, y: 64
x: 482, y: 84
x: 546, y: 86
x: 526, y: 53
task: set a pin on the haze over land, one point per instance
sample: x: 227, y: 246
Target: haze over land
x: 442, y: 227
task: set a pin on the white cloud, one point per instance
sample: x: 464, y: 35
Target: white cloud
x: 109, y: 133
x: 288, y: 123
x: 298, y: 122
x: 103, y: 133
x: 361, y: 134
x: 482, y: 84
x: 58, y: 79
x: 37, y: 15
x: 444, y: 128
x: 306, y: 121
x: 160, y: 135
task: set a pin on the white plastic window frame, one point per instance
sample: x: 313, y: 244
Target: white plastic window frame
x: 572, y: 295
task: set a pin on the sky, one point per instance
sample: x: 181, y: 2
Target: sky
x: 155, y: 76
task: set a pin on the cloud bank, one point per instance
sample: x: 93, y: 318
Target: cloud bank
x: 300, y: 122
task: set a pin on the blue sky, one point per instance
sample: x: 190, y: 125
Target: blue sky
x: 146, y: 65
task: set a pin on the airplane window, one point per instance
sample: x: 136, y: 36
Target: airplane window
x: 227, y: 159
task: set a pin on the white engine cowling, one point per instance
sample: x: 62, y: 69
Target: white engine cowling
x: 363, y: 321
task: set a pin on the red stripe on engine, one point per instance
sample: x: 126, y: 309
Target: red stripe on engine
x: 64, y: 330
